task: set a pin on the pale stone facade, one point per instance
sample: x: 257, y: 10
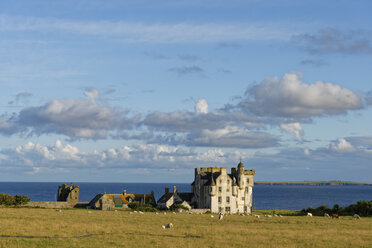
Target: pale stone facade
x: 218, y: 191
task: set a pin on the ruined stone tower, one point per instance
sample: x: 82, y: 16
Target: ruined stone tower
x: 68, y: 193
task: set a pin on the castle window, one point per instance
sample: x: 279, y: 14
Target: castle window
x: 246, y: 189
x: 219, y: 199
x: 220, y: 180
x: 228, y: 199
x: 219, y: 189
x: 228, y: 181
x: 228, y: 189
x: 227, y: 209
x: 248, y: 180
x: 220, y: 209
x: 243, y: 198
x: 245, y: 209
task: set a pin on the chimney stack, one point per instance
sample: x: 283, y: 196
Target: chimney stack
x: 174, y: 189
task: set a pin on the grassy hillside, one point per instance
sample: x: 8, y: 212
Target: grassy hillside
x: 121, y: 229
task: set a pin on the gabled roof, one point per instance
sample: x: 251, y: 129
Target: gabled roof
x: 164, y: 198
x: 185, y: 196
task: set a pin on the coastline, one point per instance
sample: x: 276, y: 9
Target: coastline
x: 314, y: 183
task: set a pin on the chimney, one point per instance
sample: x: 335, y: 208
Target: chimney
x: 174, y: 189
x: 223, y: 170
x: 125, y: 192
x: 166, y: 190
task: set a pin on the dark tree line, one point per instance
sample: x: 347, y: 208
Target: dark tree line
x: 362, y: 208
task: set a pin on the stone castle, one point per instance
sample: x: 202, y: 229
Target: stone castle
x: 216, y: 190
x: 213, y: 189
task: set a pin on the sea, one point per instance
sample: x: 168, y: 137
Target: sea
x: 265, y: 196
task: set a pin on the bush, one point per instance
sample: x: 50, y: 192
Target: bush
x: 178, y: 206
x: 7, y: 200
x: 21, y: 200
x: 142, y: 207
x: 362, y: 208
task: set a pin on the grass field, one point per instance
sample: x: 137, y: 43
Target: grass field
x: 121, y: 229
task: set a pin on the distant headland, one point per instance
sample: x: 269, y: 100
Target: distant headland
x: 333, y: 183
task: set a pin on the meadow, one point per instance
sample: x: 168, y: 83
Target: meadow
x: 94, y: 228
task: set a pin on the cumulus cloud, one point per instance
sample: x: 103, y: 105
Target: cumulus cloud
x: 332, y: 40
x: 75, y: 118
x: 293, y: 128
x: 341, y: 146
x: 36, y: 158
x: 290, y: 97
x: 230, y: 136
x: 183, y: 121
x: 201, y: 106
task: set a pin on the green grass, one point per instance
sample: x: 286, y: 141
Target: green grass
x: 136, y: 230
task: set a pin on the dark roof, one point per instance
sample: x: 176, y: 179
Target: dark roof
x: 164, y: 198
x: 185, y: 196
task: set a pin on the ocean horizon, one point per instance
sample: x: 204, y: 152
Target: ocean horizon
x: 265, y: 196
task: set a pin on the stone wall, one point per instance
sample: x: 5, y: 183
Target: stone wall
x: 53, y: 204
x: 199, y: 210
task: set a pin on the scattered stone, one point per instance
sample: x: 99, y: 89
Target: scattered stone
x: 58, y: 210
x: 156, y: 213
x: 281, y: 216
x: 326, y: 215
x: 130, y: 213
x: 163, y: 226
x: 165, y: 213
x: 257, y: 216
x: 134, y: 211
x: 140, y: 212
x: 212, y: 216
x: 356, y: 217
x: 309, y: 214
x: 89, y: 212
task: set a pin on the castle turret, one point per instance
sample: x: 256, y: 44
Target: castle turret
x: 212, y: 187
x: 234, y: 188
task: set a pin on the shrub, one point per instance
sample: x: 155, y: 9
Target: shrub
x: 7, y: 200
x: 21, y: 200
x: 142, y: 207
x: 179, y: 206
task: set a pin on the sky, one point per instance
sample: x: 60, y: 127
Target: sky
x: 146, y: 91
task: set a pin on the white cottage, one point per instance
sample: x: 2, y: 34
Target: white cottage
x: 218, y: 191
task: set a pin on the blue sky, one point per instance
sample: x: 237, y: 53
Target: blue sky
x: 135, y: 91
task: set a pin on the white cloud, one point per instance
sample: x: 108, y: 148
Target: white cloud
x: 341, y: 146
x: 293, y: 128
x: 230, y: 136
x: 290, y: 97
x: 75, y: 118
x: 141, y: 32
x: 92, y: 94
x: 201, y: 106
x: 307, y: 151
x: 34, y: 158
